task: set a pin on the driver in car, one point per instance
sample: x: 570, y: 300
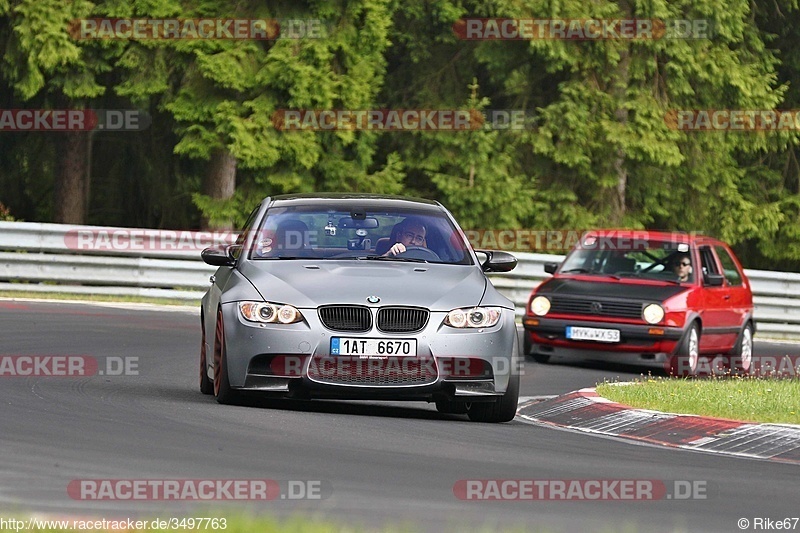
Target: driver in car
x: 410, y: 232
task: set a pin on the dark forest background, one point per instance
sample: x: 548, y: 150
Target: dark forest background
x: 598, y: 152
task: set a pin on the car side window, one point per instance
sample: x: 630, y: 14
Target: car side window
x: 707, y: 261
x: 729, y: 268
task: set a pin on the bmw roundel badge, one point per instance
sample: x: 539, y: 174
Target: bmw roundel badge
x: 373, y: 299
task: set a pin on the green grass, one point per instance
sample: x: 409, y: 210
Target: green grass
x: 738, y: 398
x: 96, y: 298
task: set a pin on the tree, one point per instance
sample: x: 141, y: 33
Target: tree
x: 42, y: 59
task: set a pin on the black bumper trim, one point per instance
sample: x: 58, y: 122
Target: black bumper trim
x: 628, y: 332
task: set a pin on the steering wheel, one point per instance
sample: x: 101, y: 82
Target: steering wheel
x: 420, y: 252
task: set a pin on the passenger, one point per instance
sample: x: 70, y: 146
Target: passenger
x: 290, y: 235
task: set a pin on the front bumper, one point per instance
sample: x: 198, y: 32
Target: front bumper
x: 547, y: 336
x: 295, y: 360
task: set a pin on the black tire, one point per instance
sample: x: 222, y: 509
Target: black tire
x: 206, y: 385
x: 505, y: 408
x: 451, y: 407
x: 222, y: 386
x: 686, y: 359
x: 740, y: 359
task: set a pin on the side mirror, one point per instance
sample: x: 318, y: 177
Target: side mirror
x: 497, y: 261
x: 551, y: 268
x: 714, y: 280
x: 219, y: 255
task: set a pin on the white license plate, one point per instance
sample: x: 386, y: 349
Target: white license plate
x: 592, y: 334
x: 357, y: 346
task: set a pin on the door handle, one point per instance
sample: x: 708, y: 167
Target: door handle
x: 727, y: 296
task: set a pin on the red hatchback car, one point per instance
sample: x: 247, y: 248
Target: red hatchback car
x: 643, y: 296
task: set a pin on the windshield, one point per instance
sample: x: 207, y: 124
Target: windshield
x: 319, y: 232
x: 643, y: 258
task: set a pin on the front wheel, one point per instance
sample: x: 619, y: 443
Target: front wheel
x: 505, y: 408
x: 206, y: 386
x: 686, y: 359
x: 740, y: 358
x: 222, y: 386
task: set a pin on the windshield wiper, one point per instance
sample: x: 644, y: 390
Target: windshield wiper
x: 393, y: 258
x: 282, y: 257
x: 577, y: 270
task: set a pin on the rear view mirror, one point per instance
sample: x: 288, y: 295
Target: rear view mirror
x: 358, y: 223
x: 551, y: 268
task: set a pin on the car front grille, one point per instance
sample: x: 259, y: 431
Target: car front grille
x: 386, y: 372
x: 346, y: 317
x: 402, y: 319
x: 596, y: 307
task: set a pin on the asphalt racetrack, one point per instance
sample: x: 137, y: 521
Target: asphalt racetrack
x: 368, y: 464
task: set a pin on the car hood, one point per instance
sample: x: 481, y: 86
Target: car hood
x: 308, y: 284
x: 610, y: 289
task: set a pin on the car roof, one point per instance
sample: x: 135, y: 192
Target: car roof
x: 656, y: 235
x: 361, y: 200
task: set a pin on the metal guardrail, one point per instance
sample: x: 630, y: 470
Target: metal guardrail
x: 45, y: 258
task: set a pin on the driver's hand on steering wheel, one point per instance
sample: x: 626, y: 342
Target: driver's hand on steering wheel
x: 397, y: 249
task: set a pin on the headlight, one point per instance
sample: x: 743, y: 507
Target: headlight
x: 540, y: 305
x: 269, y: 313
x: 473, y: 317
x: 653, y: 314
